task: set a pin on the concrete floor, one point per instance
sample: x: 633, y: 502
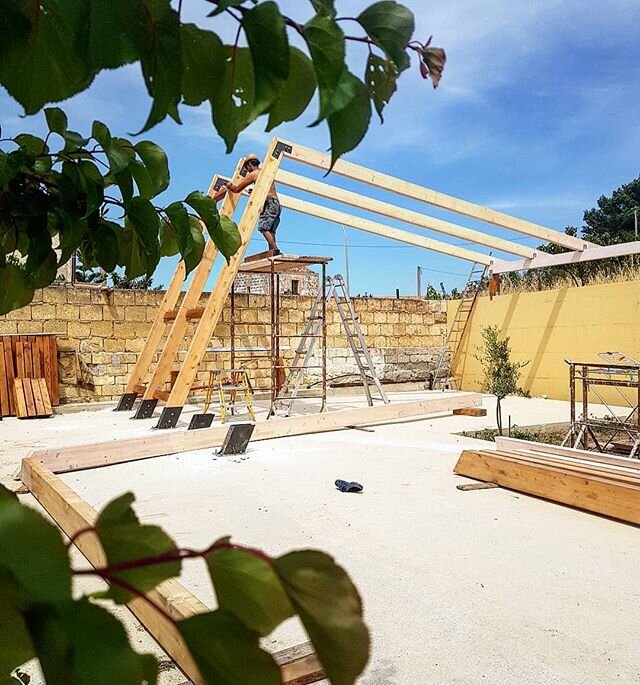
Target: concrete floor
x: 487, y: 586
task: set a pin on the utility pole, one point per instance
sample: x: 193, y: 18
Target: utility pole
x: 419, y: 281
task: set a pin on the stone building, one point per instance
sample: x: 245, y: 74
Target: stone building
x: 299, y: 280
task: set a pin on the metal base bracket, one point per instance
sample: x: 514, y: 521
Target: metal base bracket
x: 169, y: 417
x: 146, y: 409
x: 200, y: 421
x: 126, y: 401
x: 237, y: 438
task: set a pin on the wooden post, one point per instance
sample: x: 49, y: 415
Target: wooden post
x: 213, y: 310
x: 162, y: 371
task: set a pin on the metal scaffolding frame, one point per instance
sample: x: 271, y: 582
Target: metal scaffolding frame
x: 592, y: 377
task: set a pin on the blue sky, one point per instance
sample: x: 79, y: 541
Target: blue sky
x: 537, y: 115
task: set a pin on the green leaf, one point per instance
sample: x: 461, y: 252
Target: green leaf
x: 232, y: 102
x: 390, y: 25
x: 133, y: 255
x: 44, y: 64
x: 195, y: 247
x: 26, y: 536
x: 92, y: 183
x: 326, y: 43
x: 105, y: 240
x: 226, y: 653
x: 80, y: 643
x: 297, y: 91
x: 142, y: 178
x: 45, y: 272
x: 73, y: 140
x: 56, y: 120
x: 434, y: 59
x: 202, y: 62
x: 325, y: 7
x: 124, y: 181
x: 124, y: 538
x: 119, y: 154
x: 179, y: 226
x: 205, y: 207
x: 267, y: 37
x: 247, y: 587
x: 101, y: 134
x: 380, y: 77
x: 156, y: 162
x: 162, y: 63
x: 118, y: 33
x: 168, y: 241
x: 349, y: 125
x: 330, y: 608
x: 17, y: 647
x: 31, y: 144
x: 226, y: 236
x: 222, y: 5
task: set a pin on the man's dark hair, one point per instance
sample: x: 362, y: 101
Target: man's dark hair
x: 252, y: 162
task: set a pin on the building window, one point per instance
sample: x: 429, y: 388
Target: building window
x: 294, y: 286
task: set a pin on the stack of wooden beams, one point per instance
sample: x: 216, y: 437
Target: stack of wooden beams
x: 28, y: 357
x: 601, y: 483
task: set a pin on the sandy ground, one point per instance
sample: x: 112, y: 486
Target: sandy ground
x: 487, y: 586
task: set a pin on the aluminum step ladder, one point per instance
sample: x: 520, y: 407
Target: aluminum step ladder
x: 455, y: 334
x: 334, y: 289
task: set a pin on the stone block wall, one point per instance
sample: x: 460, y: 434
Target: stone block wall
x: 101, y: 332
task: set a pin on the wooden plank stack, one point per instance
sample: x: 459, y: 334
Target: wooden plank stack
x: 28, y: 357
x: 601, y: 483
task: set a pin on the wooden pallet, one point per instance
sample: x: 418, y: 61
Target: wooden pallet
x: 32, y: 398
x: 27, y: 356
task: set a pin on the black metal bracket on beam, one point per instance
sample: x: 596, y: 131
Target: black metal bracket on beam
x: 200, y: 421
x: 126, y: 401
x: 237, y: 438
x: 219, y: 183
x: 281, y: 148
x: 169, y: 417
x: 146, y: 409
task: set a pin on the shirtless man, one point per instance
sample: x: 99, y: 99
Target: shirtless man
x: 270, y: 215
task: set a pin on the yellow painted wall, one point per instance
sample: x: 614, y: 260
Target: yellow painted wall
x: 550, y: 326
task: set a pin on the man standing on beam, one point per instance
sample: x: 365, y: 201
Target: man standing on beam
x: 270, y: 216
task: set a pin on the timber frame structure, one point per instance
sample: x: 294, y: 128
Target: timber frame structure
x: 151, y: 384
x: 299, y: 664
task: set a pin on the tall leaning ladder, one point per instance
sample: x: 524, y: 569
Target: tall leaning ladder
x: 210, y: 315
x: 459, y: 326
x: 334, y: 289
x: 176, y: 319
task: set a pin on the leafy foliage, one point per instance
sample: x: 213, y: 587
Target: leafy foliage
x: 49, y: 52
x: 95, y: 195
x: 78, y: 641
x: 501, y: 375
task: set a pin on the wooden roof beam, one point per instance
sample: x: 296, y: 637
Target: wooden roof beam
x: 542, y: 259
x: 369, y: 226
x: 356, y: 172
x: 393, y: 212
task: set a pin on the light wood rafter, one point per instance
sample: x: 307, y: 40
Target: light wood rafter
x: 369, y: 226
x: 158, y: 327
x: 298, y: 665
x: 416, y: 192
x: 543, y: 259
x: 393, y: 212
x: 76, y: 458
x: 181, y: 320
x: 213, y: 309
x: 209, y: 315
